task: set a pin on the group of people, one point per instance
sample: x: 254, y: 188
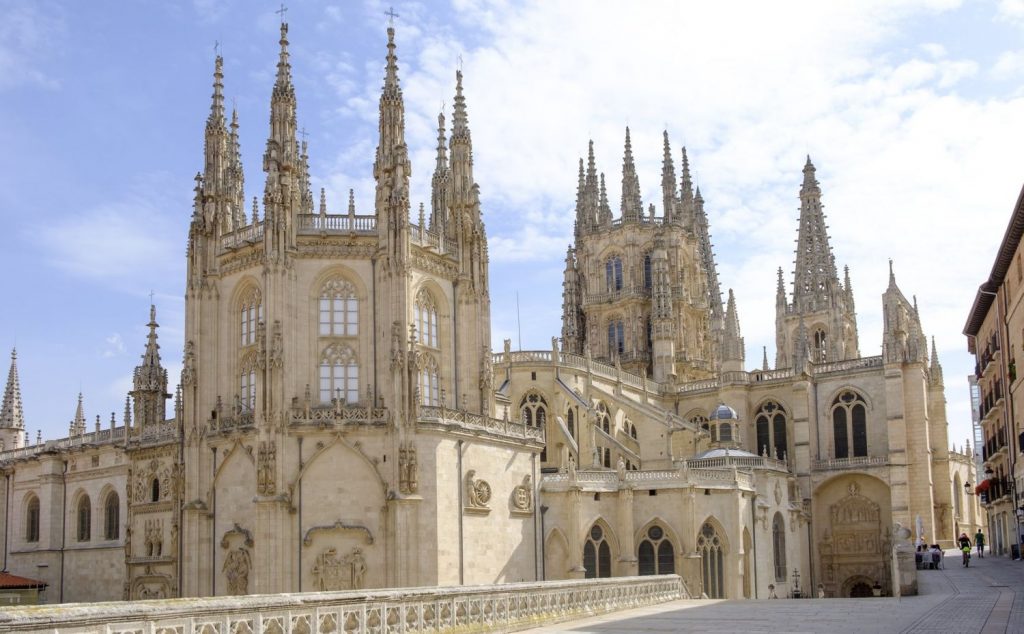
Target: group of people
x: 965, y: 546
x: 931, y: 556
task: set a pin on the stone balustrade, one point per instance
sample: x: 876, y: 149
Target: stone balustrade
x: 101, y: 437
x: 442, y: 609
x: 511, y: 428
x: 250, y: 234
x: 842, y: 464
x: 607, y: 480
x: 337, y: 223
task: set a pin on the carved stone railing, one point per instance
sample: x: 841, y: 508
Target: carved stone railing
x: 337, y: 223
x: 166, y: 430
x: 608, y: 480
x: 626, y: 292
x: 334, y: 415
x: 469, y: 420
x: 740, y: 462
x: 224, y: 424
x: 698, y: 386
x: 101, y: 437
x: 442, y: 609
x: 849, y: 364
x: 242, y: 236
x: 839, y: 464
x: 426, y: 238
x: 766, y: 376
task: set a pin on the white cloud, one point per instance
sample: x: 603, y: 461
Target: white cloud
x: 114, y: 346
x: 1009, y: 65
x: 30, y: 33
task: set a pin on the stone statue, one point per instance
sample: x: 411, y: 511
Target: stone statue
x: 620, y: 468
x: 277, y: 346
x: 478, y: 492
x: 236, y: 569
x: 188, y: 369
x: 358, y: 565
x: 265, y: 478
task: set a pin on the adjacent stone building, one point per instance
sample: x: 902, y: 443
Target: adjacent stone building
x: 342, y: 423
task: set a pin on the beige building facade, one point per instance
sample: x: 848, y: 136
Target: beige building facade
x: 342, y: 423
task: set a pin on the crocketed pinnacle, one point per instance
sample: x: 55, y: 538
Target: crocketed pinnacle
x: 733, y: 341
x: 460, y: 119
x: 283, y: 82
x: 668, y: 182
x: 935, y: 366
x: 686, y: 183
x: 151, y: 358
x: 764, y: 361
x: 78, y: 425
x: 216, y: 118
x: 391, y: 86
x: 815, y: 277
x: 150, y: 375
x: 11, y: 412
x: 442, y: 146
x: 604, y: 209
x: 632, y: 205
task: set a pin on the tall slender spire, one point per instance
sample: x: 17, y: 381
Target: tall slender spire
x: 11, y: 413
x: 764, y: 360
x: 685, y: 191
x: 632, y: 206
x: 391, y: 168
x: 816, y: 278
x: 281, y: 152
x: 236, y: 175
x: 732, y: 345
x: 216, y: 117
x: 78, y: 425
x: 707, y: 256
x: 149, y: 382
x: 935, y: 369
x: 668, y: 182
x: 217, y: 159
x: 439, y: 182
x: 604, y: 210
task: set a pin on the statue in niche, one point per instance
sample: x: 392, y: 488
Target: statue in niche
x: 236, y: 570
x: 397, y: 354
x: 154, y: 538
x: 358, y: 565
x: 407, y: 477
x: 620, y: 469
x: 487, y: 375
x: 188, y: 369
x: 261, y: 344
x: 277, y: 346
x: 265, y: 479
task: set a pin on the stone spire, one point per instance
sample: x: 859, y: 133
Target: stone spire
x: 439, y: 184
x: 217, y: 158
x: 707, y: 257
x: 12, y: 416
x: 848, y: 287
x: 78, y: 425
x: 815, y: 277
x: 572, y: 315
x: 604, y: 210
x: 391, y: 168
x: 149, y: 381
x: 935, y: 369
x: 732, y: 344
x: 764, y: 361
x: 581, y: 223
x: 685, y: 213
x: 632, y: 205
x: 236, y: 175
x: 903, y: 339
x: 668, y: 183
x: 285, y: 193
x: 588, y: 210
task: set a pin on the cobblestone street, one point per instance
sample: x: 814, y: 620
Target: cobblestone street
x: 987, y: 597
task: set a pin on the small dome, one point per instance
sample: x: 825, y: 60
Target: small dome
x: 723, y: 412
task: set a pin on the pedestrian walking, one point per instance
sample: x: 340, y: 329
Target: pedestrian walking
x: 979, y: 541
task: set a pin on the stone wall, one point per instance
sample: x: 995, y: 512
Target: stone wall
x: 464, y: 609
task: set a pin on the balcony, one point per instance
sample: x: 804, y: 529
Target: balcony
x: 843, y: 464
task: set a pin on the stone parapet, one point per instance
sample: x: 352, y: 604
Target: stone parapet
x: 441, y: 609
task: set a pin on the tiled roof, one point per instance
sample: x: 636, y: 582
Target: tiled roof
x: 7, y: 580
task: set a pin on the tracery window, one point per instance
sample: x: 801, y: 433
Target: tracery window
x: 250, y: 309
x: 426, y: 318
x: 339, y: 309
x: 111, y: 516
x: 154, y: 490
x: 339, y: 374
x: 849, y: 421
x: 779, y: 546
x: 247, y: 383
x: 570, y: 420
x: 533, y: 410
x: 84, y: 514
x: 597, y: 555
x: 647, y: 271
x: 32, y: 520
x: 709, y: 545
x: 656, y: 554
x: 430, y: 382
x: 613, y: 274
x: 616, y: 337
x: 770, y: 423
x: 820, y: 352
x: 604, y: 418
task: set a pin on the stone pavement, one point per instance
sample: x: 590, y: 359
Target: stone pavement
x: 987, y: 597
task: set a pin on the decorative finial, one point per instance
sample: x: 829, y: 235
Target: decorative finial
x: 391, y: 16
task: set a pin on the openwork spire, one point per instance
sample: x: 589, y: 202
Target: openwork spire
x: 668, y: 182
x: 216, y: 117
x: 283, y: 81
x: 78, y: 425
x: 815, y: 277
x: 632, y: 205
x: 149, y: 382
x: 707, y: 256
x: 11, y: 412
x: 935, y: 368
x: 685, y: 189
x: 732, y: 345
x: 391, y: 87
x: 604, y: 210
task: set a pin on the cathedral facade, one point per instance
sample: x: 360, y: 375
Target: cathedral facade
x: 341, y: 422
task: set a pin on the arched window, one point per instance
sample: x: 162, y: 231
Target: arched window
x: 339, y: 374
x: 426, y: 318
x: 84, y: 519
x: 656, y: 554
x: 112, y: 516
x: 613, y: 274
x: 597, y: 555
x: 339, y: 309
x: 570, y: 419
x: 32, y: 520
x: 430, y: 382
x: 631, y: 429
x: 820, y: 352
x: 709, y: 545
x: 154, y: 490
x: 533, y: 410
x: 849, y: 421
x: 770, y: 423
x: 648, y: 330
x: 647, y: 271
x: 247, y: 382
x: 250, y: 308
x: 779, y: 546
x: 604, y: 418
x: 616, y: 338
x: 724, y: 432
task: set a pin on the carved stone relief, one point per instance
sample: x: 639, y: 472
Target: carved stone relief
x: 266, y: 479
x: 478, y: 492
x: 238, y: 561
x: 188, y: 368
x: 154, y: 538
x: 522, y: 496
x: 347, y: 572
x: 408, y: 477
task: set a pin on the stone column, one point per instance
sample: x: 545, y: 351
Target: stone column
x: 627, y: 550
x: 576, y: 569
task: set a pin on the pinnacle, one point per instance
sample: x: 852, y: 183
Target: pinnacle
x: 391, y: 69
x: 11, y: 412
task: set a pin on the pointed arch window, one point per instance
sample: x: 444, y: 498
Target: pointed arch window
x: 570, y: 420
x: 819, y: 353
x: 430, y: 382
x: 84, y: 513
x: 771, y: 425
x: 709, y: 545
x: 849, y: 423
x: 250, y: 308
x: 32, y: 520
x: 647, y: 271
x: 779, y: 546
x: 339, y: 309
x: 613, y: 274
x: 339, y: 374
x: 656, y: 555
x: 247, y: 383
x: 426, y: 318
x: 597, y: 555
x: 533, y: 410
x: 604, y: 418
x: 616, y: 337
x: 112, y: 516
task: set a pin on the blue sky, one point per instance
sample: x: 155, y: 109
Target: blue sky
x: 911, y: 110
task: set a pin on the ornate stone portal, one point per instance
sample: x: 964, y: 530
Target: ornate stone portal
x: 855, y: 550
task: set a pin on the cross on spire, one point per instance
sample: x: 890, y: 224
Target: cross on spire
x: 281, y: 12
x: 391, y: 16
x: 216, y: 47
x: 151, y: 296
x: 460, y: 62
x: 302, y: 133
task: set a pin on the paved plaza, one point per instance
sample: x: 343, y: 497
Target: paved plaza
x: 987, y: 597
